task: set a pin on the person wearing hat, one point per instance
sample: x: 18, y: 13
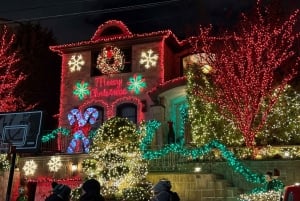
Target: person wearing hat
x: 91, y: 191
x: 162, y: 191
x: 60, y: 193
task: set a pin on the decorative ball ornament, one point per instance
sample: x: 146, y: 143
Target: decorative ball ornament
x: 110, y: 60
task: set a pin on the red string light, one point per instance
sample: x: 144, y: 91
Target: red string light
x: 245, y: 65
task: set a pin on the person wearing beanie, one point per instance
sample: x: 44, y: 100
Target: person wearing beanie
x: 91, y: 191
x: 162, y: 191
x: 60, y: 193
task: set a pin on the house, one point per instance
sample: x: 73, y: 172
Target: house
x: 119, y: 73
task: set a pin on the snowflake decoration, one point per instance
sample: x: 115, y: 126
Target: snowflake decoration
x: 29, y: 167
x: 136, y: 84
x: 76, y: 62
x: 54, y: 164
x: 81, y: 90
x: 4, y: 163
x: 149, y: 59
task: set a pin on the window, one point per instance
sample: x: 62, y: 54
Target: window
x: 128, y: 110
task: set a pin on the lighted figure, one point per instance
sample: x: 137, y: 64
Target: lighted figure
x: 75, y: 63
x: 148, y: 58
x: 81, y: 125
x: 136, y: 84
x: 110, y: 60
x: 54, y: 163
x: 29, y: 167
x: 81, y: 90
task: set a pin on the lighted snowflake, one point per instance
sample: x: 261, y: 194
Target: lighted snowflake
x: 29, y: 167
x: 136, y: 84
x: 54, y: 164
x: 149, y: 59
x: 76, y: 62
x: 81, y: 90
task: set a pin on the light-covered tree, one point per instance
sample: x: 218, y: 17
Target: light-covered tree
x: 10, y: 75
x: 115, y: 160
x: 205, y: 121
x: 251, y: 67
x: 282, y: 126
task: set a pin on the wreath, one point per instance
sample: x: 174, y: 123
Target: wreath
x: 110, y: 60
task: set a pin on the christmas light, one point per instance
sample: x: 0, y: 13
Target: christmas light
x: 110, y: 60
x: 149, y: 58
x: 245, y: 67
x: 115, y: 159
x: 29, y: 167
x: 205, y: 121
x: 81, y: 90
x: 148, y: 130
x: 81, y: 127
x: 263, y: 196
x: 4, y: 162
x: 136, y: 84
x: 76, y: 62
x: 10, y: 76
x: 50, y: 136
x: 54, y: 163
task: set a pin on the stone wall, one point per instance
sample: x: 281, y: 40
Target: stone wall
x: 215, y: 181
x: 289, y: 171
x: 226, y: 180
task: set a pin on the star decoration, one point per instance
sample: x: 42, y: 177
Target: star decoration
x: 54, y: 163
x: 136, y: 84
x: 29, y: 167
x: 75, y: 63
x: 81, y: 90
x: 149, y: 59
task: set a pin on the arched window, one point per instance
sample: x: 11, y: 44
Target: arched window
x: 127, y: 110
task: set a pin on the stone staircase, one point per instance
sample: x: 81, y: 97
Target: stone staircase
x: 198, y: 186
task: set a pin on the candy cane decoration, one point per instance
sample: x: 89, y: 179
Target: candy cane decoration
x: 81, y: 129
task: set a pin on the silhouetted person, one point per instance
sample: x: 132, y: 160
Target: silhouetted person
x: 91, y: 191
x: 162, y: 191
x: 60, y: 193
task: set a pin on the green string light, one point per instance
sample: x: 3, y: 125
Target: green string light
x: 53, y: 134
x: 229, y: 156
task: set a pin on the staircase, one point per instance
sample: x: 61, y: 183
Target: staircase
x: 198, y: 186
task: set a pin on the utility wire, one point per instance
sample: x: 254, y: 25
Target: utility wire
x: 43, y: 6
x: 100, y: 11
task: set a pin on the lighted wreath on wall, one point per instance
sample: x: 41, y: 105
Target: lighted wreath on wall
x: 110, y: 60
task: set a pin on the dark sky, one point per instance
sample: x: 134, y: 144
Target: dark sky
x: 77, y: 20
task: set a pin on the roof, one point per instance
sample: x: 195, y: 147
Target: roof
x: 170, y: 84
x: 114, y: 30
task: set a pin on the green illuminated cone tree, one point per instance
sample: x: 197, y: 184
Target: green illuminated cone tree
x: 115, y: 160
x: 251, y: 68
x: 206, y: 123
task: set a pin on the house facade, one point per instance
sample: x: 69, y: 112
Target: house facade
x: 119, y: 73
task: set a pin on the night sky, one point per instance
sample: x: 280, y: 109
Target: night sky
x: 77, y: 20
